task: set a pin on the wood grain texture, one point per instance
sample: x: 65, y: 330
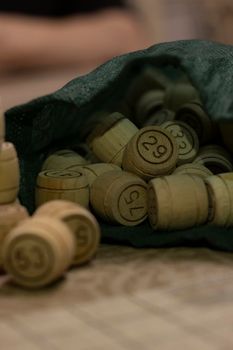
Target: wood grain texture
x: 186, y: 138
x: 10, y: 216
x: 177, y: 202
x: 151, y: 152
x: 119, y: 197
x: 9, y: 173
x: 220, y: 190
x: 193, y: 169
x: 110, y: 143
x: 38, y: 251
x: 127, y: 299
x: 63, y: 159
x: 62, y: 184
x: 193, y: 114
x: 82, y: 224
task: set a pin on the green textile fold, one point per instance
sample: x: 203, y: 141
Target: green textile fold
x: 65, y: 117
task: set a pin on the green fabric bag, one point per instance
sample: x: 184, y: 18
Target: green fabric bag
x: 61, y: 119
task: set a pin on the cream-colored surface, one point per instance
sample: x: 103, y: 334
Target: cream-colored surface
x: 129, y: 299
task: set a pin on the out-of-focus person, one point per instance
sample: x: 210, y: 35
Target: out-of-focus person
x: 53, y: 33
x: 170, y: 20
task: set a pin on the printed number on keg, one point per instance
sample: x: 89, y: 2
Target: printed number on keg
x: 31, y: 258
x: 82, y: 235
x: 179, y: 135
x: 133, y: 196
x: 160, y: 150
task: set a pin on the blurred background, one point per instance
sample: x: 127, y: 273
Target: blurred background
x: 43, y: 46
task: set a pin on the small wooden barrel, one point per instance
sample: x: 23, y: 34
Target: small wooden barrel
x: 38, y: 251
x: 177, y: 202
x: 63, y: 159
x: 81, y: 222
x: 10, y: 216
x: 193, y: 169
x: 186, y: 138
x: 62, y: 184
x: 215, y: 158
x: 151, y: 152
x: 149, y: 103
x: 220, y: 190
x: 109, y: 140
x: 149, y: 78
x: 179, y: 94
x: 194, y: 115
x: 2, y: 128
x: 160, y: 117
x: 9, y: 173
x: 92, y: 171
x: 226, y: 130
x: 119, y: 197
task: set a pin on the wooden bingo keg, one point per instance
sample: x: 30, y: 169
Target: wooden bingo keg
x: 149, y: 78
x: 10, y: 216
x: 220, y: 190
x: 9, y: 173
x: 160, y: 117
x: 186, y: 139
x: 110, y: 137
x: 177, y: 202
x: 179, y: 94
x: 119, y: 197
x: 92, y: 171
x: 62, y: 184
x: 193, y: 169
x: 149, y: 103
x: 2, y: 128
x: 226, y: 130
x: 151, y: 152
x: 195, y: 116
x: 81, y: 222
x: 215, y: 158
x: 63, y: 159
x: 38, y: 251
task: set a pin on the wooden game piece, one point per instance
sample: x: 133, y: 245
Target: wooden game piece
x: 220, y: 190
x: 150, y: 153
x: 63, y: 159
x: 119, y: 197
x: 62, y: 184
x: 186, y: 138
x: 226, y: 130
x: 149, y: 103
x: 81, y: 222
x: 179, y: 94
x: 193, y: 169
x: 10, y: 216
x: 160, y: 117
x: 84, y: 150
x: 177, y: 202
x: 38, y: 251
x: 92, y: 171
x: 194, y: 115
x: 150, y: 78
x: 2, y: 127
x: 108, y: 142
x: 215, y: 158
x: 9, y: 173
